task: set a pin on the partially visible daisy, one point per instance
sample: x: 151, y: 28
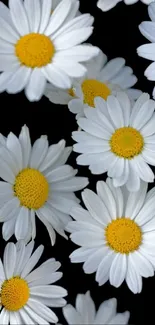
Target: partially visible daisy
x: 39, y: 44
x: 26, y: 293
x: 36, y: 182
x: 148, y: 50
x: 116, y: 234
x: 102, y: 79
x: 118, y: 139
x: 106, y: 5
x: 85, y: 312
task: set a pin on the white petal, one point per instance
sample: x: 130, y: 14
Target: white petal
x: 94, y: 129
x: 112, y: 68
x: 118, y: 196
x: 22, y: 222
x: 42, y: 311
x: 7, y: 32
x: 133, y: 182
x: 120, y: 318
x: 71, y: 315
x: 53, y: 155
x: 36, y: 85
x: 58, y: 17
x: 118, y: 270
x: 102, y: 273
x: 71, y: 185
x: 146, y: 213
x: 82, y: 254
x: 19, y: 16
x: 14, y: 146
x: 142, y: 169
x: 19, y: 80
x: 93, y: 261
x: 32, y: 261
x: 143, y: 266
x: 106, y: 311
x: 61, y: 173
x: 151, y: 11
x: 87, y: 238
x: 39, y: 151
x: 144, y: 114
x: 125, y: 105
x: 4, y: 317
x: 147, y: 51
x: 56, y: 76
x: 8, y: 228
x: 107, y: 197
x: 26, y: 319
x: 25, y: 143
x: 9, y: 259
x: 9, y: 63
x: 137, y: 106
x: 33, y: 11
x: 135, y: 201
x: 133, y: 279
x: 96, y: 207
x: 45, y: 15
x: 51, y: 291
x: 115, y: 111
x: 48, y: 227
x: 9, y: 209
x: 73, y: 70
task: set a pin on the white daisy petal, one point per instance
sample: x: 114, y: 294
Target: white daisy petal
x: 8, y: 228
x: 96, y: 207
x: 71, y: 315
x: 25, y: 143
x: 4, y: 317
x: 115, y: 111
x: 135, y: 201
x: 120, y: 318
x: 46, y: 12
x: 36, y: 85
x: 31, y: 7
x: 9, y: 209
x: 48, y: 226
x: 56, y: 76
x: 21, y: 227
x: 14, y: 146
x: 26, y: 319
x: 104, y: 267
x: 42, y: 311
x: 92, y: 263
x: 32, y: 261
x: 62, y: 11
x: 52, y: 291
x: 5, y: 13
x: 107, y: 197
x: 7, y: 32
x: 143, y: 266
x: 106, y: 311
x: 19, y: 16
x: 39, y: 152
x: 9, y: 260
x: 118, y: 270
x: 19, y: 80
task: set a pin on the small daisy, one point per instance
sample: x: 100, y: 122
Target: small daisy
x: 117, y: 234
x: 106, y: 5
x: 25, y: 294
x: 36, y: 181
x: 148, y: 50
x: 102, y: 79
x: 119, y: 139
x: 85, y: 312
x: 37, y: 46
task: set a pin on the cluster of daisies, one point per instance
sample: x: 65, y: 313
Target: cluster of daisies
x: 42, y: 52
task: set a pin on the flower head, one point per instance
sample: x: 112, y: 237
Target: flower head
x: 26, y: 293
x: 40, y: 43
x: 36, y: 182
x: 118, y: 138
x: 116, y: 234
x: 85, y: 312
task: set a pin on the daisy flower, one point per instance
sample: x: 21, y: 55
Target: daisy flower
x: 25, y: 294
x: 36, y: 182
x: 148, y: 50
x: 102, y: 79
x: 116, y: 234
x: 118, y: 139
x: 106, y: 5
x: 37, y: 46
x: 85, y: 312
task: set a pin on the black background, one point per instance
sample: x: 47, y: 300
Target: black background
x: 116, y: 33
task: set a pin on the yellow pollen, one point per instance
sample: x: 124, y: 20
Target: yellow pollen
x: 123, y: 235
x: 127, y: 142
x: 14, y: 294
x: 71, y: 92
x: 92, y: 88
x: 34, y: 50
x: 31, y: 188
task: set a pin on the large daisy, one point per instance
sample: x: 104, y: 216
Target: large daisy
x: 106, y: 5
x: 26, y: 293
x: 37, y: 46
x: 116, y: 234
x: 102, y: 79
x: 36, y: 182
x: 119, y: 139
x: 85, y: 312
x: 148, y: 50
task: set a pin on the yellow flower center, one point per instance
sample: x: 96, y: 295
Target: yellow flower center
x: 123, y: 235
x: 93, y: 88
x: 14, y: 293
x: 34, y: 50
x: 31, y: 188
x: 127, y: 142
